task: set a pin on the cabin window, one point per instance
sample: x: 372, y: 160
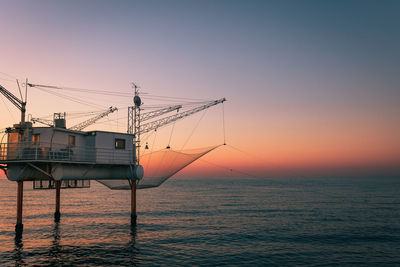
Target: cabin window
x: 35, y: 139
x: 71, y: 140
x: 119, y: 143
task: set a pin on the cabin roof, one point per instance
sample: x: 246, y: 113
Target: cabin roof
x: 62, y: 130
x: 96, y: 131
x: 81, y: 132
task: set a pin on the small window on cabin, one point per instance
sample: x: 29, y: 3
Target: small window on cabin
x: 35, y: 139
x: 119, y: 143
x: 71, y: 140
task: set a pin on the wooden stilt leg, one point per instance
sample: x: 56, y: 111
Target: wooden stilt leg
x: 133, y: 202
x: 20, y: 193
x: 57, y: 212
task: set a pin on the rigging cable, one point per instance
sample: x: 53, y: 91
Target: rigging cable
x: 223, y: 122
x: 8, y: 80
x: 168, y: 147
x: 229, y: 169
x: 147, y: 137
x: 117, y: 120
x: 73, y: 99
x: 289, y: 171
x: 172, y: 97
x: 9, y: 75
x: 195, y: 127
x: 7, y: 108
x: 170, y: 136
x: 82, y: 90
x: 191, y: 134
x: 20, y: 93
x: 247, y: 154
x: 152, y: 148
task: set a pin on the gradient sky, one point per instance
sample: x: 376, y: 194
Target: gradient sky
x: 312, y: 86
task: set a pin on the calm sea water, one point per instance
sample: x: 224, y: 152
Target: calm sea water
x: 208, y: 222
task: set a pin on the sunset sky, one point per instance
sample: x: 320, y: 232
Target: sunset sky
x: 312, y: 86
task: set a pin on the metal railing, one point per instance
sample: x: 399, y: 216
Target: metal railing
x: 61, y: 152
x: 51, y: 184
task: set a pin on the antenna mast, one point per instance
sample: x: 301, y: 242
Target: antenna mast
x: 134, y: 122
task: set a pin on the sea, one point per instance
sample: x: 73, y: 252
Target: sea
x: 209, y: 222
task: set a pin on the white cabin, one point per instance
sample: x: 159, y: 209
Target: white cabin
x: 61, y: 154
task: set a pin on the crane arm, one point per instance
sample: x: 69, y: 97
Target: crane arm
x: 90, y: 121
x: 164, y: 121
x: 13, y: 99
x: 43, y: 121
x: 152, y: 114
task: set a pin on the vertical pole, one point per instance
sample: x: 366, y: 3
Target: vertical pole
x: 57, y: 212
x: 136, y: 135
x: 20, y: 192
x: 136, y: 127
x: 23, y: 109
x: 136, y: 123
x: 133, y: 201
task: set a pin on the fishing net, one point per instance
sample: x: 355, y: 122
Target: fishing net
x: 159, y: 166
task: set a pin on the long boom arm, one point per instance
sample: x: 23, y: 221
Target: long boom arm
x: 152, y: 114
x: 144, y: 128
x: 90, y: 121
x: 21, y: 105
x: 13, y: 99
x: 43, y: 121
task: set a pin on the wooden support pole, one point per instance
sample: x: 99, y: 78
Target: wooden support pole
x: 20, y: 193
x: 133, y: 202
x: 57, y: 214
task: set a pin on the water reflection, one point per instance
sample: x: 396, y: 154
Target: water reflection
x: 18, y: 250
x: 212, y: 222
x: 59, y: 251
x: 55, y: 249
x: 131, y: 246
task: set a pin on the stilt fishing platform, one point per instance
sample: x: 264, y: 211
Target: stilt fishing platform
x: 57, y: 157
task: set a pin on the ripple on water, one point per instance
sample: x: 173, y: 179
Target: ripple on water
x: 208, y: 222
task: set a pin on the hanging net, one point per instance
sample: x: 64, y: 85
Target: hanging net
x: 159, y: 166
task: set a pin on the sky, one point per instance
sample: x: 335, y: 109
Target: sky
x: 312, y: 86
